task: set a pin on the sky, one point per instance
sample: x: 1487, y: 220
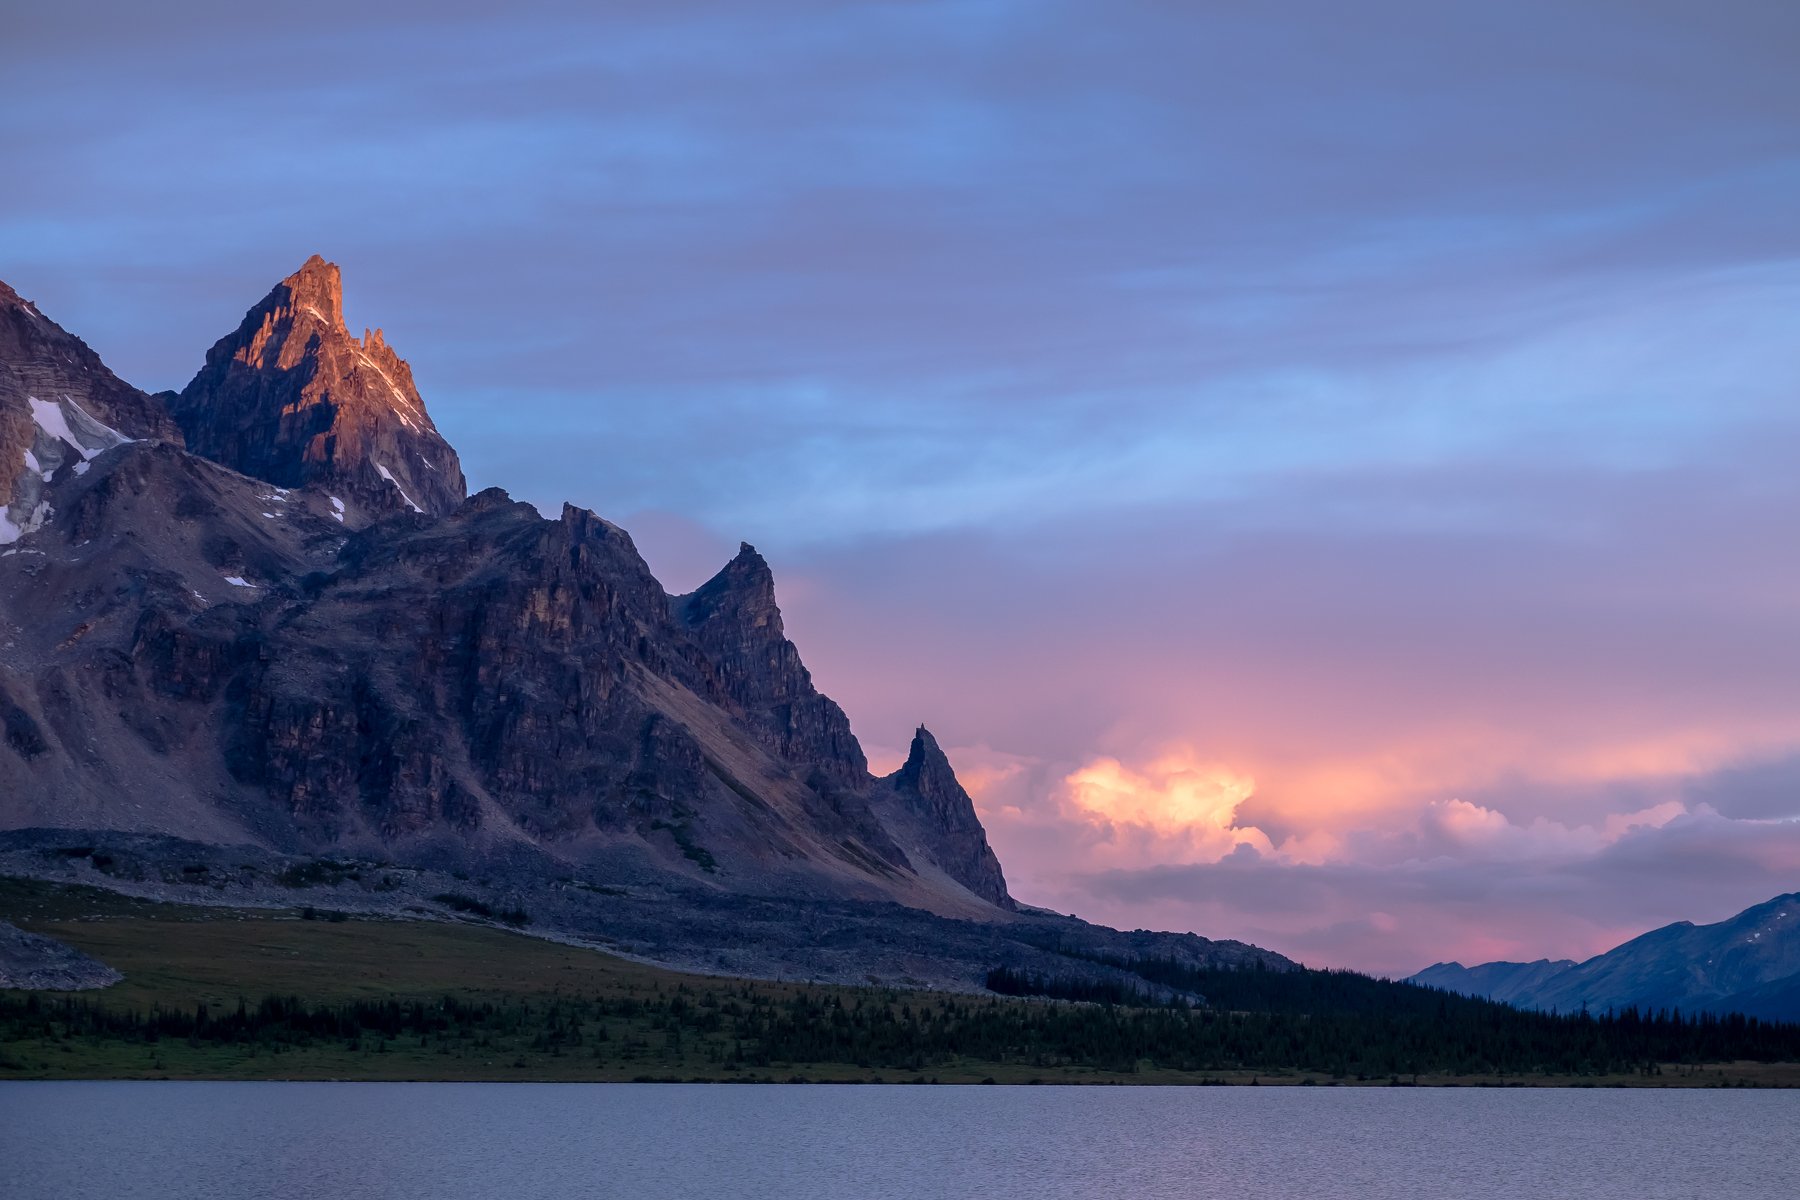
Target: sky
x: 1325, y: 472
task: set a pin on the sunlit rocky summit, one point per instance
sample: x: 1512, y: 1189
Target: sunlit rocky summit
x: 256, y: 640
x: 292, y: 398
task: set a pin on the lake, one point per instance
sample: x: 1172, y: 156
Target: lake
x: 438, y: 1141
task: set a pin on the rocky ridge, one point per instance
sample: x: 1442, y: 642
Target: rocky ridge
x: 267, y: 618
x: 247, y: 631
x: 1749, y: 963
x: 1506, y: 982
x: 59, y: 407
x: 931, y: 813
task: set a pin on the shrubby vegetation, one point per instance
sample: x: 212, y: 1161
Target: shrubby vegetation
x: 747, y: 1027
x: 356, y: 997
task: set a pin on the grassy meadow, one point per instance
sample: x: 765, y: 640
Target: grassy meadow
x: 213, y: 993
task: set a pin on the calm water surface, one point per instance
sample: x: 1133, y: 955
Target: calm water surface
x: 202, y: 1141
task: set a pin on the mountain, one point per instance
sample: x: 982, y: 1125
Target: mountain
x: 292, y: 398
x: 734, y: 618
x: 258, y: 640
x: 1506, y: 982
x: 59, y: 407
x: 930, y: 812
x: 1749, y: 963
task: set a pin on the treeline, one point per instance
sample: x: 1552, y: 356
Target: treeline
x: 1005, y: 981
x: 745, y: 1027
x: 1256, y: 988
x: 275, y: 1021
x: 1448, y: 1039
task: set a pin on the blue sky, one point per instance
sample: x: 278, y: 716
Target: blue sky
x: 1392, y: 404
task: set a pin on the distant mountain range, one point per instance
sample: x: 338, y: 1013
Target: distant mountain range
x: 261, y: 612
x: 1748, y: 964
x: 1508, y: 982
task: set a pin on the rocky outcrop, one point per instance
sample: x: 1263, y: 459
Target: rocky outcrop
x: 293, y: 398
x: 59, y: 407
x: 278, y: 637
x: 38, y: 963
x: 211, y: 658
x: 935, y: 820
x: 735, y: 618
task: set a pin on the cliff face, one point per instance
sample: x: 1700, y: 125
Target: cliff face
x: 292, y: 398
x: 274, y: 644
x: 924, y: 800
x: 735, y: 619
x: 59, y: 406
x: 541, y: 692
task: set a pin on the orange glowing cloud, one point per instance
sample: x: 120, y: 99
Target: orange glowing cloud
x: 1174, y: 808
x: 1181, y: 807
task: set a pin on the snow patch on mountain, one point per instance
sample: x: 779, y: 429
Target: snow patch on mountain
x: 387, y: 475
x: 61, y: 426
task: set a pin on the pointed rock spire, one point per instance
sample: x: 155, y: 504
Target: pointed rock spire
x: 945, y: 828
x: 317, y: 286
x: 927, y: 766
x: 735, y: 619
x: 293, y: 398
x: 742, y: 594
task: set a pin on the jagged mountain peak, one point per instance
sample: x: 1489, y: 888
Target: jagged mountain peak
x: 225, y: 643
x: 741, y: 594
x: 490, y: 498
x: 59, y: 407
x: 293, y: 398
x: 929, y: 800
x: 927, y: 768
x: 925, y: 746
x: 736, y: 620
x: 317, y: 289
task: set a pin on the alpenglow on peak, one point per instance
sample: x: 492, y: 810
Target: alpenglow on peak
x: 293, y: 398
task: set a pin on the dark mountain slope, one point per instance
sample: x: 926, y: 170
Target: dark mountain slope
x: 195, y: 652
x: 293, y: 643
x: 735, y: 619
x: 121, y: 620
x: 1686, y: 965
x: 249, y: 669
x: 934, y: 819
x: 1749, y: 963
x: 1503, y: 981
x: 59, y: 406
